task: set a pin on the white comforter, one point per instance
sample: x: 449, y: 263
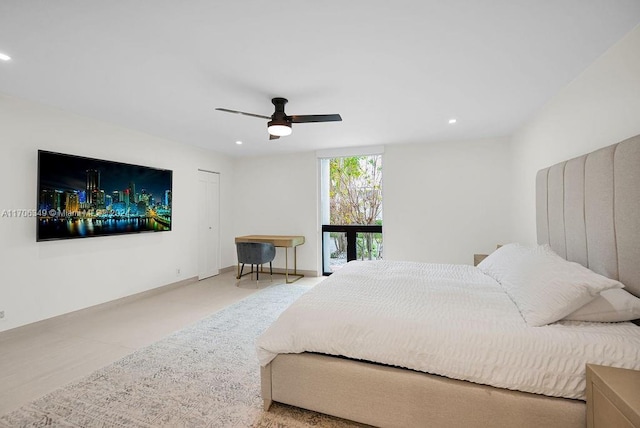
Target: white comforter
x: 449, y: 320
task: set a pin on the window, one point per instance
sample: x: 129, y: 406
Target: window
x: 351, y: 210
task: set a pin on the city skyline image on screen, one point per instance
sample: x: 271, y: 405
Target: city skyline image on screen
x: 81, y: 197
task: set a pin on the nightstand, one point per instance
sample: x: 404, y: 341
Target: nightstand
x: 613, y: 397
x: 477, y: 258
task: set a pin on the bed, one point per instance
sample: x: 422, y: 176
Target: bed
x: 586, y: 212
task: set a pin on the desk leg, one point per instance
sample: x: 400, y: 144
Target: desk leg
x: 295, y: 266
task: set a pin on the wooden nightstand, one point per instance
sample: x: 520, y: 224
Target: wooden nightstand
x: 613, y: 397
x: 477, y: 258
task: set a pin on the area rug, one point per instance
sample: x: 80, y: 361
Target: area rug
x: 206, y: 375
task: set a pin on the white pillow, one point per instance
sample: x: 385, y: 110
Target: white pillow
x: 544, y: 286
x: 613, y: 305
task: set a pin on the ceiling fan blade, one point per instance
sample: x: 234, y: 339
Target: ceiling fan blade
x: 273, y: 137
x: 243, y: 113
x: 315, y: 118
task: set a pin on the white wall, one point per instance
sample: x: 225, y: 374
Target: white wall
x: 45, y: 279
x: 444, y: 202
x: 278, y: 195
x: 599, y: 108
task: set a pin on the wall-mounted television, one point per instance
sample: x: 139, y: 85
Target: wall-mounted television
x: 81, y: 197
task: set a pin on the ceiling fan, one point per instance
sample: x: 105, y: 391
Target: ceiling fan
x: 280, y: 124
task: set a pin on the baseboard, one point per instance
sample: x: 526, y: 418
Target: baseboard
x: 50, y: 322
x: 234, y: 268
x: 228, y: 269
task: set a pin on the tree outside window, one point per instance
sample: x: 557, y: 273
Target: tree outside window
x: 355, y: 198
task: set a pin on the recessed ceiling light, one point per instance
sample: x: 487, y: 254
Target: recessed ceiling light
x: 4, y: 57
x: 238, y: 142
x: 453, y: 120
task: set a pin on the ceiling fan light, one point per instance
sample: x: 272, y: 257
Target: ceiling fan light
x: 279, y: 129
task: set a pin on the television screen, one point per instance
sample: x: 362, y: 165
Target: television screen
x: 81, y: 197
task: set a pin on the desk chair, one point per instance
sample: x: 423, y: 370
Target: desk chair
x: 255, y: 253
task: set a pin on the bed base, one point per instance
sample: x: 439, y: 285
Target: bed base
x: 392, y: 397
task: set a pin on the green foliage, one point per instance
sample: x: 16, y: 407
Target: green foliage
x: 369, y: 246
x: 355, y: 190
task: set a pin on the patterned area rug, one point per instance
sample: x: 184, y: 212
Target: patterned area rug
x: 206, y: 375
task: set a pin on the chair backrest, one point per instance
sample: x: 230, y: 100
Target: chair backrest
x: 255, y: 253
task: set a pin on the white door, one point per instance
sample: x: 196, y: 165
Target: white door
x: 208, y: 224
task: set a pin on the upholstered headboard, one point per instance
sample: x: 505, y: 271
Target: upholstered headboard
x: 588, y: 211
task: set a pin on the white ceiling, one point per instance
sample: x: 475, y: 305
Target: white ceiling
x: 395, y: 71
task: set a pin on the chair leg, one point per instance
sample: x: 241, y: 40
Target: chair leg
x: 241, y: 269
x: 271, y: 271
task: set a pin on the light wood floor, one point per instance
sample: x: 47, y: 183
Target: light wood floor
x: 39, y: 358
